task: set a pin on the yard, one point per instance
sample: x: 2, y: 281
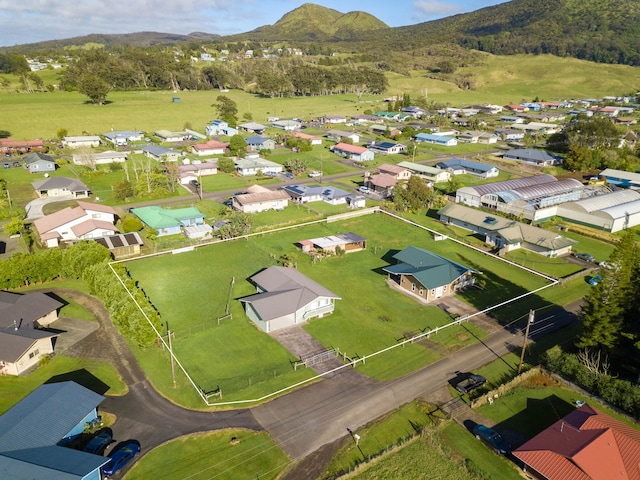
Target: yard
x: 191, y: 291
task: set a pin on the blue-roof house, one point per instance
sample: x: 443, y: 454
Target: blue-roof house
x: 33, y: 432
x: 436, y: 139
x: 459, y: 166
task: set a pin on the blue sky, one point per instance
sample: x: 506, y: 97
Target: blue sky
x: 27, y: 21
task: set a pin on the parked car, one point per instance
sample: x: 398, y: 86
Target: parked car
x: 315, y: 173
x: 467, y: 382
x: 587, y: 257
x: 194, y: 183
x: 120, y: 457
x: 595, y: 280
x: 363, y: 189
x: 6, y: 165
x: 492, y: 438
x: 288, y: 174
x: 98, y: 444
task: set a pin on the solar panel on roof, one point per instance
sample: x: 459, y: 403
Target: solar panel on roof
x: 116, y: 241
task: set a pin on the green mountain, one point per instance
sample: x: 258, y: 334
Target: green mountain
x: 311, y: 22
x: 606, y: 31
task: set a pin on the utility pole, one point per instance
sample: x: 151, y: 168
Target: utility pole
x: 173, y: 371
x: 526, y: 336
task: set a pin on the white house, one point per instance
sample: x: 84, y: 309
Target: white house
x: 100, y: 158
x: 253, y: 164
x: 81, y: 141
x: 260, y: 199
x: 353, y: 152
x: 124, y: 137
x: 212, y: 147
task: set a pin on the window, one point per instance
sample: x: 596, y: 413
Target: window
x: 413, y: 287
x: 433, y: 291
x: 421, y: 291
x: 444, y: 289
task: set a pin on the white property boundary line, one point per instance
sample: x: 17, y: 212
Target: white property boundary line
x: 553, y: 282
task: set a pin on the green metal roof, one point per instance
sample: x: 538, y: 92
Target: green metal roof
x: 157, y: 217
x: 430, y: 269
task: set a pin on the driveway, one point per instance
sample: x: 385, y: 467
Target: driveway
x: 34, y: 207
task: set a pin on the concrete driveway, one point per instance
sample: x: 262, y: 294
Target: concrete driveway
x: 34, y: 207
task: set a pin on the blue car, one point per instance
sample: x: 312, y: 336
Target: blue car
x: 99, y: 443
x: 492, y: 438
x: 120, y: 457
x: 595, y: 280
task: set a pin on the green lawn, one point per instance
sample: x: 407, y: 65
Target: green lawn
x: 101, y: 377
x: 224, y: 455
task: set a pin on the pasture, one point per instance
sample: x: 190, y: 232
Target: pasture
x: 191, y: 290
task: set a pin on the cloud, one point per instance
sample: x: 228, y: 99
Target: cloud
x: 431, y: 9
x: 26, y: 21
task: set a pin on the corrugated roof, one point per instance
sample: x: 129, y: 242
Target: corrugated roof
x: 158, y: 217
x: 383, y: 180
x: 50, y: 463
x: 540, y: 190
x: 621, y: 211
x: 621, y: 174
x: 25, y: 308
x: 601, y: 202
x: 346, y: 147
x: 15, y: 343
x: 512, y: 184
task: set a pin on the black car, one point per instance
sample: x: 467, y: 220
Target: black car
x: 467, y: 382
x: 492, y: 438
x: 98, y: 444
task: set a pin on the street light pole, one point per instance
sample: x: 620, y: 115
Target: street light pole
x: 526, y: 336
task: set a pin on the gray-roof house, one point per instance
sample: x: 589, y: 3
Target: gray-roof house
x: 161, y: 154
x: 253, y: 127
x: 505, y: 234
x: 33, y: 432
x: 540, y: 158
x: 256, y: 143
x: 61, y: 187
x: 316, y: 193
x: 286, y: 297
x: 39, y: 163
x: 21, y: 342
x: 426, y: 275
x: 253, y: 164
x: 123, y: 137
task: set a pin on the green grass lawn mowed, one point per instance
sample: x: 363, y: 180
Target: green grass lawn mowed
x: 191, y: 291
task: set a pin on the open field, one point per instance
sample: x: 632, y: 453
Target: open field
x: 191, y: 290
x: 500, y: 79
x: 224, y: 455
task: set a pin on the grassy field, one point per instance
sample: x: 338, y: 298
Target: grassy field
x: 191, y: 290
x: 100, y: 377
x: 500, y: 79
x: 223, y: 455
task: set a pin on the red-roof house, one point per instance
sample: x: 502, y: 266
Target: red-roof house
x: 313, y: 140
x: 22, y: 146
x: 354, y: 152
x: 585, y: 445
x: 212, y: 147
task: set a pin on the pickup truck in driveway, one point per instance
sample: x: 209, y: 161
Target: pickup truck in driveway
x: 467, y: 382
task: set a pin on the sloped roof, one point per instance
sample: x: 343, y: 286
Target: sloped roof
x: 72, y: 184
x: 461, y: 163
x: 255, y: 162
x: 430, y: 269
x: 383, y: 180
x: 15, y: 343
x: 256, y: 140
x: 210, y: 145
x: 388, y: 167
x: 585, y: 445
x: 286, y: 291
x: 37, y: 157
x: 260, y: 197
x: 601, y: 202
x: 25, y: 308
x: 91, y: 225
x: 540, y: 190
x: 122, y: 240
x: 157, y: 217
x: 509, y: 184
x: 417, y: 167
x: 347, y: 147
x: 97, y: 207
x: 66, y: 215
x: 621, y: 174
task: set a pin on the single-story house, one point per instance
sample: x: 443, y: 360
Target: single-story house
x: 81, y: 141
x: 260, y: 199
x: 256, y: 143
x: 168, y: 222
x: 253, y: 164
x: 353, y: 152
x: 194, y: 171
x: 511, y: 119
x: 436, y: 139
x: 316, y: 193
x: 8, y: 145
x: 586, y: 444
x: 197, y: 232
x: 415, y: 112
x: 121, y: 138
x: 356, y: 201
x: 333, y: 119
x: 340, y: 135
x: 459, y: 166
x: 39, y: 163
x: 385, y: 130
x: 220, y: 127
x: 313, y: 140
x: 347, y: 242
x: 473, y: 136
x: 161, y: 154
x: 387, y: 148
x: 538, y: 128
x: 517, y: 108
x: 540, y: 158
x: 61, y: 187
x: 122, y: 245
x: 85, y: 222
x: 253, y: 127
x: 286, y: 297
x: 212, y: 147
x: 401, y: 173
x: 506, y: 234
x: 381, y: 183
x: 287, y: 125
x: 172, y: 137
x: 509, y: 134
x: 426, y: 275
x: 22, y: 342
x: 430, y: 174
x: 101, y: 158
x: 34, y: 431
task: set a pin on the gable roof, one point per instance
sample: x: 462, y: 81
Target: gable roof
x: 430, y: 269
x: 210, y: 145
x: 121, y: 240
x: 390, y: 168
x: 285, y: 291
x: 347, y: 147
x: 38, y: 157
x: 383, y: 180
x: 57, y: 219
x: 584, y: 445
x: 461, y: 163
x: 25, y: 308
x: 257, y: 140
x: 15, y: 343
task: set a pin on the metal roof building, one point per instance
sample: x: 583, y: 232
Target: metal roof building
x: 472, y: 195
x: 613, y: 212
